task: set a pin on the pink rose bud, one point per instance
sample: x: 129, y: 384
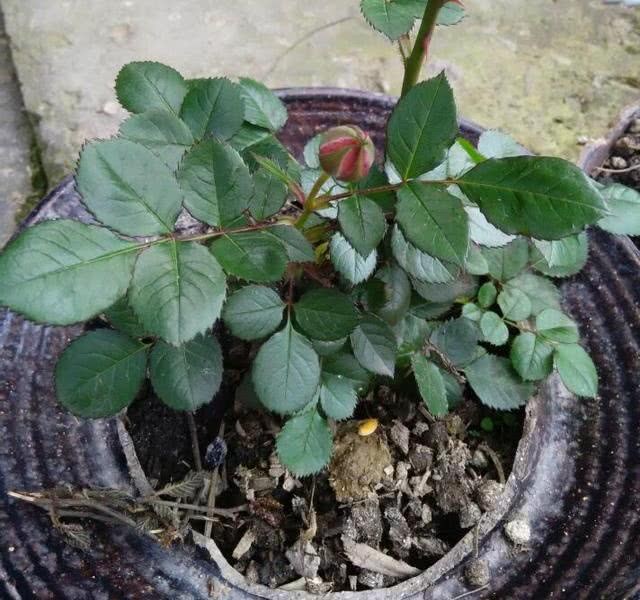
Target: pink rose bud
x: 346, y: 153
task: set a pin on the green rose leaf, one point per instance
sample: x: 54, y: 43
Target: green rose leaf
x: 362, y: 222
x: 422, y: 127
x: 326, y: 314
x: 495, y: 382
x: 254, y: 255
x: 394, y: 18
x: 100, y: 373
x: 123, y: 318
x: 483, y: 233
x: 514, y: 304
x: 247, y: 136
x: 340, y: 381
x: 297, y: 247
x: 434, y: 221
x: 213, y: 107
x: 431, y: 385
x: 472, y: 312
x: 576, y: 369
x: 268, y: 196
x: 128, y: 188
x: 457, y: 339
x: 374, y: 345
x: 531, y: 356
x: 541, y: 292
x: 261, y: 106
x: 305, y: 443
x: 286, y: 372
x: 557, y: 327
x: 540, y: 197
x: 217, y: 184
x: 496, y: 144
x: 348, y: 262
x: 487, y: 294
x: 450, y: 14
x: 328, y: 348
x: 506, y: 262
x: 476, y: 263
x: 253, y: 312
x: 389, y: 294
x: 493, y: 329
x: 561, y: 258
x: 141, y: 86
x: 62, y: 272
x: 464, y: 286
x: 160, y: 131
x: 623, y: 204
x: 188, y: 376
x: 177, y: 290
x: 417, y: 263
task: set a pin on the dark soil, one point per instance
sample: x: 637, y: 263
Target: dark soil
x: 409, y: 490
x: 623, y: 165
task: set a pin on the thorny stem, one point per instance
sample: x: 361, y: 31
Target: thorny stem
x: 195, y: 445
x: 416, y: 59
x: 446, y: 362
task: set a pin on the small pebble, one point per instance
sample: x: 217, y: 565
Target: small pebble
x: 518, y: 532
x: 635, y: 126
x: 617, y: 162
x: 399, y: 435
x: 488, y: 493
x: 477, y: 573
x: 421, y: 457
x: 479, y: 459
x: 216, y: 453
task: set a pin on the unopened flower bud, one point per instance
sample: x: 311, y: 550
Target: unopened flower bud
x: 346, y: 153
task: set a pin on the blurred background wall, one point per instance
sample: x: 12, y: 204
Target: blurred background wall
x: 554, y: 73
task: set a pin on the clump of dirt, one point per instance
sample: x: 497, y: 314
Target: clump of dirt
x: 390, y: 504
x: 623, y: 165
x: 358, y: 464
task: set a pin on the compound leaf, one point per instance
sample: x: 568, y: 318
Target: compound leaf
x: 430, y: 384
x: 177, y: 290
x: 326, y: 314
x: 434, y: 221
x: 213, y: 107
x: 253, y: 312
x: 495, y: 382
x: 62, y: 272
x: 141, y: 86
x: 305, y: 442
x: 217, y: 184
x: 100, y: 373
x: 128, y: 188
x: 186, y: 377
x: 422, y: 127
x: 254, y: 255
x: 540, y: 197
x: 286, y: 372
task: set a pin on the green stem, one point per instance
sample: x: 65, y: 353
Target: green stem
x: 310, y: 203
x: 416, y: 59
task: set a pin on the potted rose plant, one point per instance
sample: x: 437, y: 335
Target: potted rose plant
x: 426, y: 269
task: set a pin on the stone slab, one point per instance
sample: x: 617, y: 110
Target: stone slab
x: 549, y: 72
x: 15, y: 144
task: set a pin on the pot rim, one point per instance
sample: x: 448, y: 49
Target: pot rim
x: 594, y: 155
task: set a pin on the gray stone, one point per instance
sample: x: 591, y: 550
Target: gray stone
x: 15, y: 144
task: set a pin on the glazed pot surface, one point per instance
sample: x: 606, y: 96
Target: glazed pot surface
x: 576, y: 479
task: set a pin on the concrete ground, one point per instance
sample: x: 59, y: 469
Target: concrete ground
x: 551, y: 72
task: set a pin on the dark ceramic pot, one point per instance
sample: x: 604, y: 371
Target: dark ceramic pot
x: 576, y: 477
